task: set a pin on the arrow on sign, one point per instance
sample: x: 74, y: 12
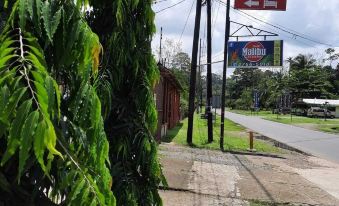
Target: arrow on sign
x: 251, y: 3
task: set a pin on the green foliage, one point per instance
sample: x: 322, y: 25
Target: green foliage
x: 130, y: 73
x: 52, y: 133
x: 305, y: 79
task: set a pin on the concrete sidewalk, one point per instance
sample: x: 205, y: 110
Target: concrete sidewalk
x: 205, y: 177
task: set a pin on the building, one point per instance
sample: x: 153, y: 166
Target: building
x: 167, y: 98
x: 322, y: 102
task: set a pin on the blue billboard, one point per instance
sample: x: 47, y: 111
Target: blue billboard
x: 249, y: 54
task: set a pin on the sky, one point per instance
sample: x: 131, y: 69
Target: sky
x: 317, y: 20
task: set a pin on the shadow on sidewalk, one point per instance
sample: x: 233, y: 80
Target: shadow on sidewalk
x: 256, y: 179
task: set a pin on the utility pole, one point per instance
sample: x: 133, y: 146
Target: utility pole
x: 223, y: 95
x: 199, y: 82
x: 160, y: 54
x: 193, y: 72
x: 209, y: 73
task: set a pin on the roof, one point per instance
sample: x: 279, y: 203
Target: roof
x: 166, y: 73
x: 321, y: 101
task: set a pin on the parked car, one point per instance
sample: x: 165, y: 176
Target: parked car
x: 320, y: 112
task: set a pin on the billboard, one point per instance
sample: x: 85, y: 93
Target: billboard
x: 249, y: 54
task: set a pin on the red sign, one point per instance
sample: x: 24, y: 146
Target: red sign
x: 254, y: 51
x: 261, y: 4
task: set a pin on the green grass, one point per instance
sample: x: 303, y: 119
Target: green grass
x: 236, y: 138
x: 330, y: 125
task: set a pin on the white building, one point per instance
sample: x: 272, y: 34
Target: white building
x: 322, y: 102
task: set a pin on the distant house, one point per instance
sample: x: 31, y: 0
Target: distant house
x: 167, y: 97
x: 322, y: 102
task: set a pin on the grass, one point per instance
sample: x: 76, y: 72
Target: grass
x: 330, y: 125
x: 236, y: 138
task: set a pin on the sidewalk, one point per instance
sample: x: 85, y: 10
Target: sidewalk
x: 205, y: 177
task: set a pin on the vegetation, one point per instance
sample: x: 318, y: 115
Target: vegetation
x: 236, y: 138
x: 305, y: 79
x: 73, y: 82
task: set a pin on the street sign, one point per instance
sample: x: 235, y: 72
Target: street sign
x: 249, y: 54
x: 279, y: 5
x: 256, y: 99
x: 216, y: 101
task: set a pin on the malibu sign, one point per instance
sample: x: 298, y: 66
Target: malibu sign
x: 251, y: 54
x: 254, y: 51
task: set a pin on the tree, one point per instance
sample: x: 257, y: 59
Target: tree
x: 170, y: 48
x: 56, y: 150
x: 60, y: 110
x: 130, y: 73
x: 302, y: 62
x: 182, y: 61
x: 332, y: 56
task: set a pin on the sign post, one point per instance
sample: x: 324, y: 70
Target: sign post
x: 279, y: 5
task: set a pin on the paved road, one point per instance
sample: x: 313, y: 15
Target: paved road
x: 316, y: 143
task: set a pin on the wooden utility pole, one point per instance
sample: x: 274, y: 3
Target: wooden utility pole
x: 193, y: 72
x: 209, y: 73
x: 223, y: 95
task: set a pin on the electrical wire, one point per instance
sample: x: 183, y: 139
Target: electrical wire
x: 171, y: 6
x: 189, y: 14
x: 215, y: 18
x: 159, y: 1
x: 285, y: 29
x: 275, y: 30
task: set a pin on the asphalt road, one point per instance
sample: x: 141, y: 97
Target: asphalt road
x: 319, y: 144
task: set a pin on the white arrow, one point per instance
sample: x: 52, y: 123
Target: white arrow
x: 251, y: 3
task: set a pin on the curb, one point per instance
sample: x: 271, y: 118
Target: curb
x: 280, y: 144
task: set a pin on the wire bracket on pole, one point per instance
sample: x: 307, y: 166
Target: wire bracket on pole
x: 252, y: 32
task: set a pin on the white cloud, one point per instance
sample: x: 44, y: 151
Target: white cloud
x: 316, y: 19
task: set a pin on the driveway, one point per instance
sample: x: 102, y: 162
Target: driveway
x: 319, y: 144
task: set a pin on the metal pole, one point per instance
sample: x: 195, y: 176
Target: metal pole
x: 160, y: 54
x: 193, y: 72
x: 199, y: 80
x: 223, y: 95
x: 209, y: 72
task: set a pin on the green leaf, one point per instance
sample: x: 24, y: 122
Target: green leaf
x: 77, y: 189
x: 39, y: 144
x: 51, y: 21
x: 5, y: 76
x: 50, y: 142
x: 51, y: 95
x: 22, y: 14
x: 12, y: 103
x: 4, y: 60
x: 14, y: 132
x: 26, y: 139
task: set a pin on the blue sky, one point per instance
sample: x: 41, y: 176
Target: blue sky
x: 314, y: 19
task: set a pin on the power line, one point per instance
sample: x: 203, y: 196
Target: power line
x: 276, y: 30
x: 189, y: 14
x: 161, y: 10
x: 284, y: 30
x: 215, y: 18
x: 294, y: 34
x: 159, y: 1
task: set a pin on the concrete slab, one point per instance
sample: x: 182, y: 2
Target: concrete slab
x: 213, y: 179
x: 175, y: 198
